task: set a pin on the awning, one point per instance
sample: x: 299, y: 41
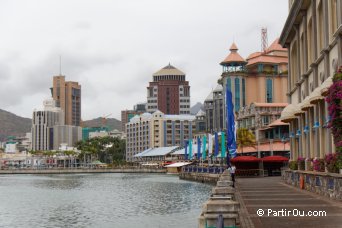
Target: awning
x: 326, y: 85
x: 305, y: 105
x: 177, y: 164
x: 275, y: 159
x: 289, y: 113
x: 315, y: 96
x: 245, y: 159
x: 277, y: 123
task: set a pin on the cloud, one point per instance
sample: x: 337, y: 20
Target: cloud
x: 112, y: 48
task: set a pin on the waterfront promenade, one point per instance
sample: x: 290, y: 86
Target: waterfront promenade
x: 81, y: 170
x: 271, y: 193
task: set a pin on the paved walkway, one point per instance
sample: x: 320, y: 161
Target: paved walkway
x: 270, y: 193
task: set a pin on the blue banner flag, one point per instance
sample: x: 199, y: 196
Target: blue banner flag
x: 231, y: 141
x: 204, y: 152
x: 216, y: 145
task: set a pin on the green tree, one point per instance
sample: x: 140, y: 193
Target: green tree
x: 245, y: 138
x: 106, y: 149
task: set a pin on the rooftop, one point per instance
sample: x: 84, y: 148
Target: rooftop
x: 233, y: 57
x: 168, y: 70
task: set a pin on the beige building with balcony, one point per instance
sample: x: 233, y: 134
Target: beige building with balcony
x: 157, y: 130
x: 313, y: 36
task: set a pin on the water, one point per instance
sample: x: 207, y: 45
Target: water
x: 100, y: 200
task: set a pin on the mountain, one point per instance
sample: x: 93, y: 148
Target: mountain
x: 194, y: 109
x: 13, y: 125
x: 112, y: 123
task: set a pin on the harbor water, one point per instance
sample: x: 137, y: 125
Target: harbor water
x: 100, y: 200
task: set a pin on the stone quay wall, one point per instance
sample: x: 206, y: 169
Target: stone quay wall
x: 221, y: 209
x: 200, y: 177
x: 324, y: 184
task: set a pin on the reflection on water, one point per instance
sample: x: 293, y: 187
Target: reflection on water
x: 100, y: 200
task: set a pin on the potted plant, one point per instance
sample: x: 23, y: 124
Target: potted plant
x: 331, y: 162
x: 293, y: 165
x: 318, y: 165
x: 309, y: 164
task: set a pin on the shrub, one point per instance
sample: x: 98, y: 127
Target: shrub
x: 293, y: 165
x: 318, y: 165
x: 301, y: 163
x: 332, y: 162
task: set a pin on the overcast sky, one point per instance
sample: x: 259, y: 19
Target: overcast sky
x: 112, y: 47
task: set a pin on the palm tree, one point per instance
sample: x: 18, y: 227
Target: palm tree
x: 245, y: 138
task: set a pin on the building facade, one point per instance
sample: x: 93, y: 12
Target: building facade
x: 42, y: 125
x: 261, y: 78
x: 157, y: 130
x: 313, y: 36
x: 126, y: 116
x: 257, y: 117
x: 67, y: 95
x: 66, y: 135
x: 169, y: 92
x: 214, y: 110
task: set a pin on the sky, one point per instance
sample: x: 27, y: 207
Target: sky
x: 112, y: 47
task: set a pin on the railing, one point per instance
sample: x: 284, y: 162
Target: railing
x: 202, y: 169
x: 220, y: 169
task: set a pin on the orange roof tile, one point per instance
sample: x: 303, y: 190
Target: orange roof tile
x: 253, y: 55
x: 233, y: 47
x: 267, y: 59
x: 275, y: 46
x: 233, y: 56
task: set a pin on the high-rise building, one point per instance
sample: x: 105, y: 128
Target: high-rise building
x: 66, y: 135
x: 214, y: 109
x: 157, y: 130
x: 42, y: 125
x: 67, y: 95
x: 169, y: 92
x: 312, y: 34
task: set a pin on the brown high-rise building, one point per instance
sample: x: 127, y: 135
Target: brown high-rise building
x: 68, y: 97
x: 169, y: 92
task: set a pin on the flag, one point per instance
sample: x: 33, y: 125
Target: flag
x: 210, y: 144
x: 223, y: 145
x: 198, y: 148
x: 204, y: 152
x: 216, y: 145
x: 190, y: 149
x: 231, y: 133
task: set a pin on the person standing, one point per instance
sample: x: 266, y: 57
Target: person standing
x: 231, y: 170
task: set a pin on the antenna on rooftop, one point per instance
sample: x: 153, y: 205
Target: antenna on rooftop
x: 264, y: 40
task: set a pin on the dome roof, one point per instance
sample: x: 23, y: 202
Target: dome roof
x: 233, y: 57
x: 168, y: 70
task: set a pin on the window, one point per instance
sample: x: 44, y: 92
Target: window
x: 269, y: 90
x: 229, y: 84
x: 237, y: 94
x: 275, y: 68
x: 260, y: 68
